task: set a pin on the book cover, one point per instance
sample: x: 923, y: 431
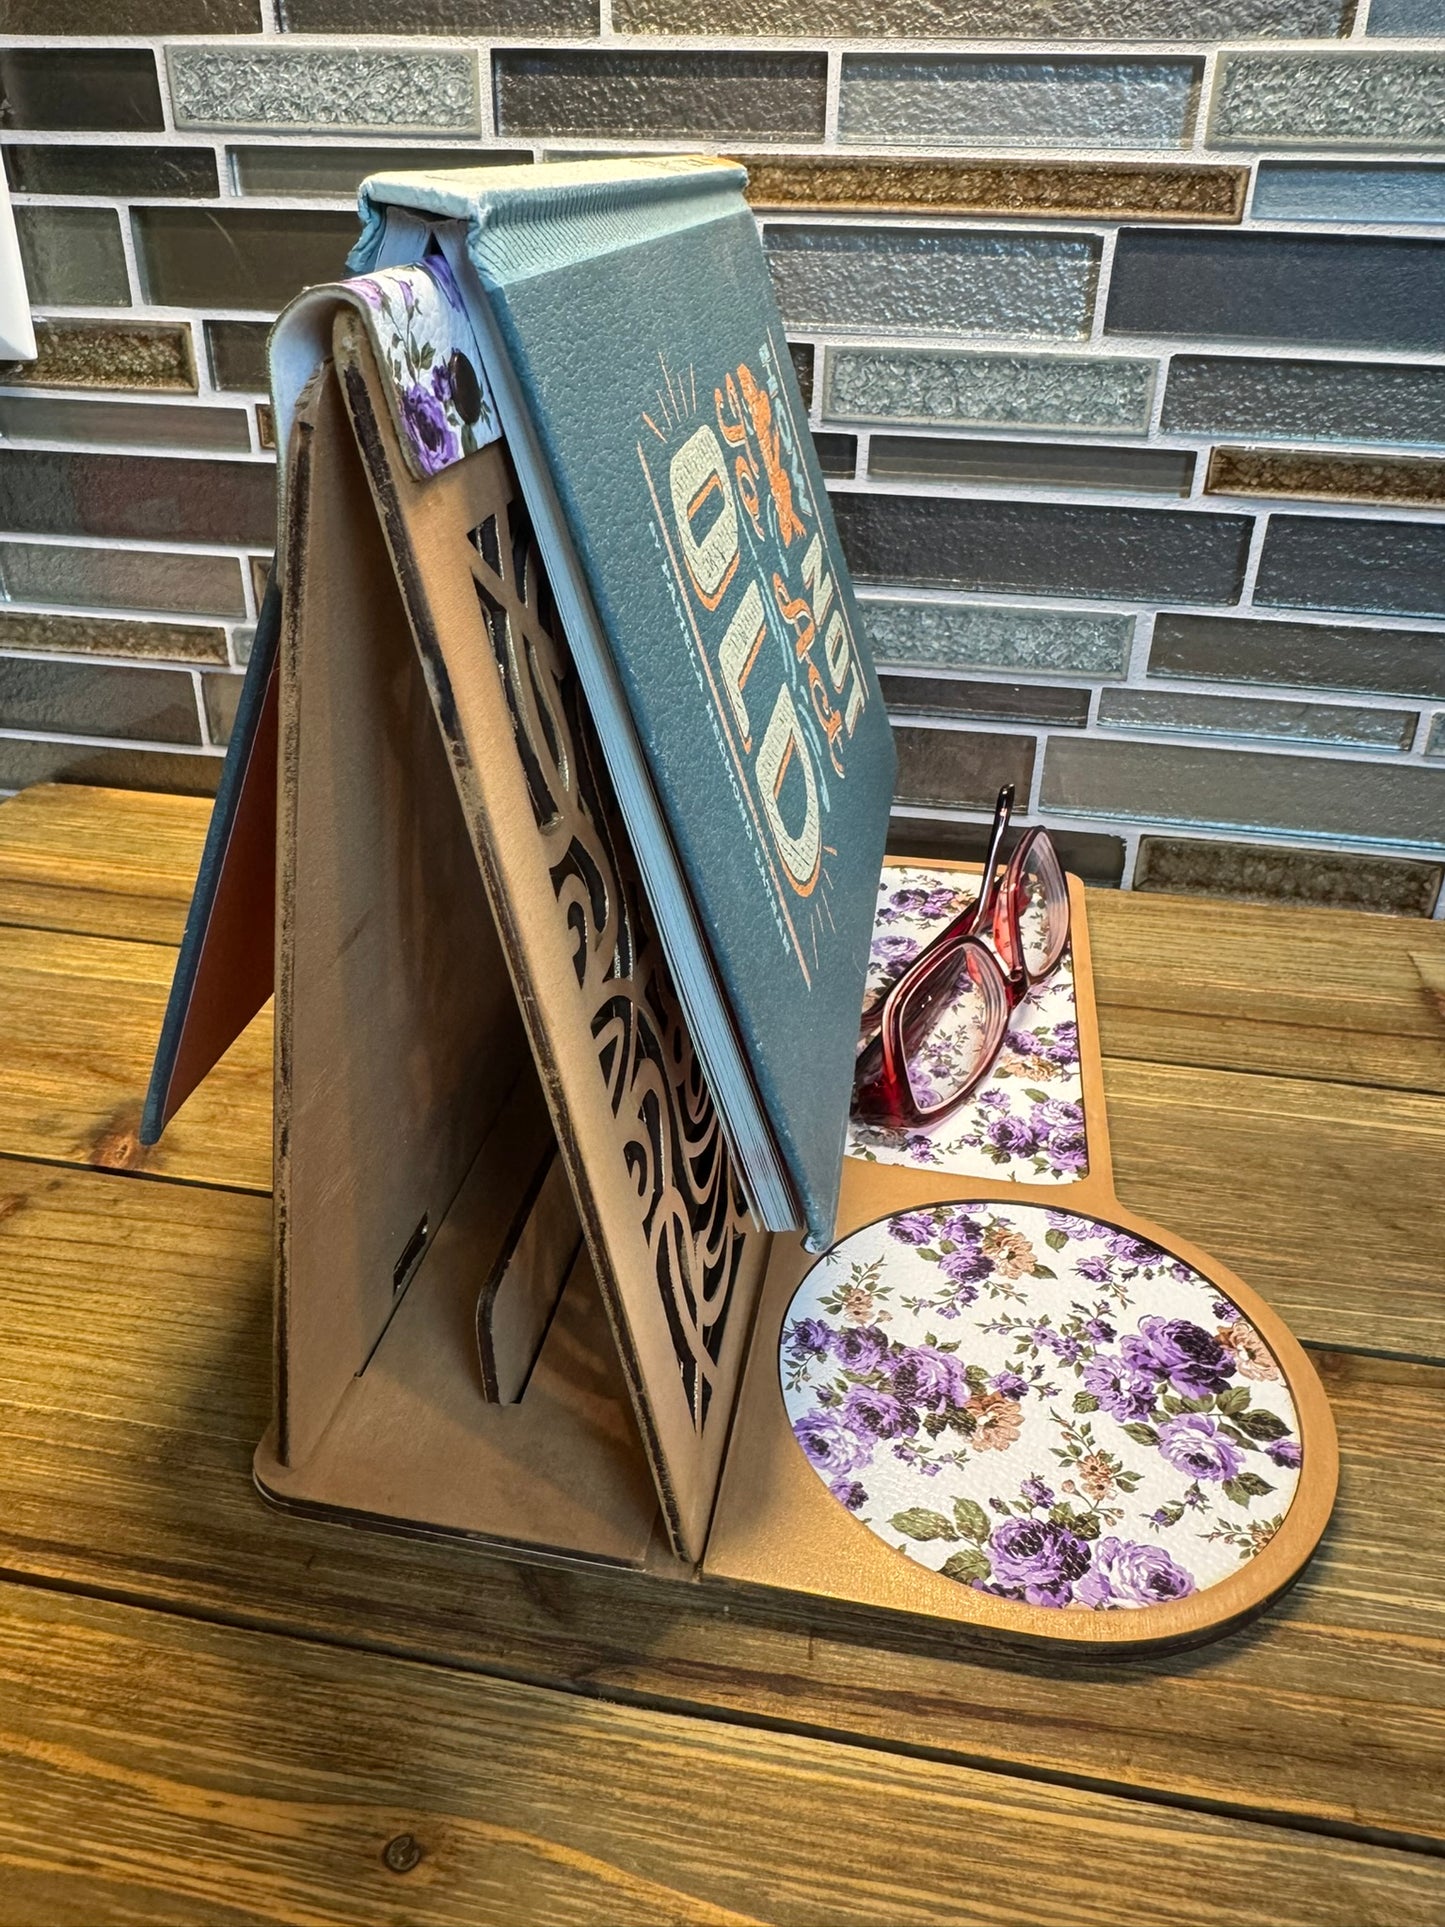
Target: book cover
x: 643, y: 379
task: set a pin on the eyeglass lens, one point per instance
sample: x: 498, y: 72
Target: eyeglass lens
x: 952, y: 1020
x: 1043, y: 906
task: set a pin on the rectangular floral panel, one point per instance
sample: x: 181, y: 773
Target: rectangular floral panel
x: 715, y: 95
x: 1329, y: 724
x: 1049, y: 190
x: 1026, y: 1121
x: 1263, y: 873
x: 902, y: 281
x: 1348, y: 401
x: 978, y: 389
x: 978, y: 100
x: 1240, y: 789
x: 1341, y: 290
x: 1166, y: 471
x: 108, y: 354
x: 1392, y: 662
x: 1054, y: 548
x: 949, y: 635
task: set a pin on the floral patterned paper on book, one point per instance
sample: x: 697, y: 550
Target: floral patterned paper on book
x: 440, y: 399
x: 1039, y: 1405
x: 1027, y: 1120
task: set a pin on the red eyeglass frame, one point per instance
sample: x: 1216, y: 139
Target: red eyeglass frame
x: 882, y: 1090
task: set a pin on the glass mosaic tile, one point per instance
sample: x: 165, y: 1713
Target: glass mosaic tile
x: 1239, y: 789
x: 1388, y: 662
x: 978, y: 389
x: 908, y: 281
x: 1261, y: 873
x: 107, y: 354
x: 961, y: 768
x: 1052, y: 100
x: 717, y: 95
x: 1031, y: 548
x: 1348, y: 291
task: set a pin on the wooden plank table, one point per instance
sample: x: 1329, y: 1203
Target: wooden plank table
x: 211, y: 1713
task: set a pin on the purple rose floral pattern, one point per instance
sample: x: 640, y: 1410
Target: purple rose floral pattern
x: 1039, y: 1405
x: 1027, y: 1120
x: 439, y: 393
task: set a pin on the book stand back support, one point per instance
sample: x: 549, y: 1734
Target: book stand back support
x: 519, y: 1296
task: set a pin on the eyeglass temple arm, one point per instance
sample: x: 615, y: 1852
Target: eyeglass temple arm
x: 1003, y: 810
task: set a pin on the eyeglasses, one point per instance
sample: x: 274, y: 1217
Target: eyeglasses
x: 933, y: 1037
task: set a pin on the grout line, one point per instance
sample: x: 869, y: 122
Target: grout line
x: 833, y: 101
x: 1252, y: 560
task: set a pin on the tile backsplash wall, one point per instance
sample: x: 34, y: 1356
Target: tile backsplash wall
x: 1122, y: 325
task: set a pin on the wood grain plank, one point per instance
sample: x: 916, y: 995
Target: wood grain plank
x: 127, y: 1419
x: 1325, y: 1197
x: 78, y: 1028
x: 1333, y: 995
x: 159, y: 1770
x: 107, y: 863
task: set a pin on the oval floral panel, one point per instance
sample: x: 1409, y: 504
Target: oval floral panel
x: 1040, y: 1405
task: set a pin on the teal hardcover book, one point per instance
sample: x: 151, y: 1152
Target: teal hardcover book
x: 642, y: 378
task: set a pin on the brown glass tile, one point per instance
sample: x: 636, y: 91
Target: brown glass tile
x: 131, y: 16
x: 997, y: 702
x: 1409, y: 480
x: 24, y: 761
x: 802, y: 354
x: 1097, y: 859
x: 130, y: 173
x: 126, y: 424
x: 90, y: 577
x: 98, y: 699
x: 153, y: 497
x: 320, y: 171
x: 103, y: 636
x: 237, y: 354
x: 1051, y: 190
x: 260, y: 566
x: 107, y: 354
x: 994, y: 19
x: 1302, y: 655
x: 106, y: 89
x: 717, y: 94
x: 959, y: 768
x: 73, y: 257
x: 1252, y: 873
x: 193, y: 257
x: 265, y: 424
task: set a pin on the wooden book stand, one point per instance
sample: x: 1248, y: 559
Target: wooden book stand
x: 519, y: 1296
